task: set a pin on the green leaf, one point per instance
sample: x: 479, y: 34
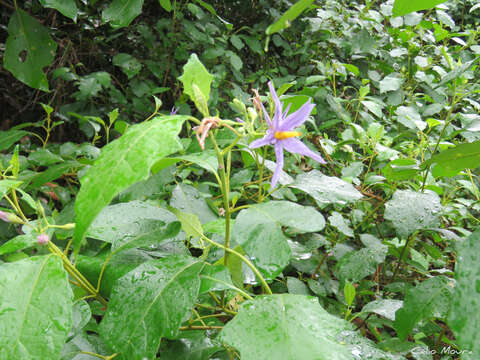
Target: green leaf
x: 195, y: 73
x: 293, y: 327
x: 29, y: 49
x: 301, y: 218
x: 410, y: 211
x: 52, y: 173
x: 291, y: 14
x: 193, y: 345
x: 339, y: 222
x: 219, y: 272
x: 464, y: 319
x: 148, y: 304
x: 409, y: 116
x: 431, y: 298
x: 451, y: 161
x: 18, y: 243
x: 357, y: 265
x: 121, y: 13
x: 455, y: 73
x: 384, y: 307
x: 190, y: 222
x: 391, y: 82
x: 119, y: 265
x: 33, y: 323
x: 166, y: 4
x: 188, y: 199
x: 349, y: 292
x: 122, y: 163
x: 262, y: 239
x: 129, y: 65
x: 7, y: 185
x: 326, y: 189
x: 403, y: 7
x: 401, y: 169
x: 8, y: 138
x: 67, y: 8
x: 123, y: 222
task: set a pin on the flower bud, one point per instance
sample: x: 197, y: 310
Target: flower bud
x: 4, y: 216
x: 42, y: 239
x: 11, y: 218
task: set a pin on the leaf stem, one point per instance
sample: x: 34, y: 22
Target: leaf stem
x: 244, y: 259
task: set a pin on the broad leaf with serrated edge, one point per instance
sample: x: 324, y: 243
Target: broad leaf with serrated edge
x: 148, y: 304
x: 122, y: 163
x: 35, y: 308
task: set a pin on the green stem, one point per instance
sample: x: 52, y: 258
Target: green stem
x: 245, y: 295
x: 244, y: 259
x: 73, y: 271
x: 225, y: 188
x: 402, y: 253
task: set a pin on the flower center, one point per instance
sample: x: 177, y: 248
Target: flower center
x: 282, y: 135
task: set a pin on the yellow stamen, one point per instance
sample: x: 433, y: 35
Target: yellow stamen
x: 282, y: 135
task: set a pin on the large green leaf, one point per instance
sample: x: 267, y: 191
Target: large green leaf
x: 262, y: 239
x: 193, y: 345
x: 122, y: 163
x: 291, y: 14
x: 403, y: 7
x: 66, y: 7
x: 120, y: 265
x: 188, y: 199
x: 410, y: 211
x: 356, y: 265
x: 301, y: 218
x: 196, y: 75
x: 149, y: 303
x: 121, y: 223
x: 326, y: 189
x: 464, y: 318
x: 294, y: 327
x: 121, y: 13
x: 8, y: 138
x: 35, y: 308
x: 451, y: 161
x: 29, y: 48
x: 430, y: 298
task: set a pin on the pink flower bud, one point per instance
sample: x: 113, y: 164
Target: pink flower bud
x: 4, y: 216
x: 42, y: 239
x: 11, y: 218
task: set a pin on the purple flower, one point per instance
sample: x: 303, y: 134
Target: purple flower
x: 42, y: 239
x: 173, y: 111
x: 281, y: 133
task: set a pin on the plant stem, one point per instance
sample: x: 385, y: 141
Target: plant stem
x: 244, y: 259
x: 225, y: 189
x: 73, y: 271
x: 400, y: 258
x: 183, y: 328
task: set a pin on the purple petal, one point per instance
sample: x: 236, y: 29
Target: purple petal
x: 279, y: 167
x: 278, y: 106
x: 298, y: 117
x: 266, y: 116
x: 296, y: 146
x: 266, y: 140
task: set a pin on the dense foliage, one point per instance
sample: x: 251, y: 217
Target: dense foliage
x: 227, y: 179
